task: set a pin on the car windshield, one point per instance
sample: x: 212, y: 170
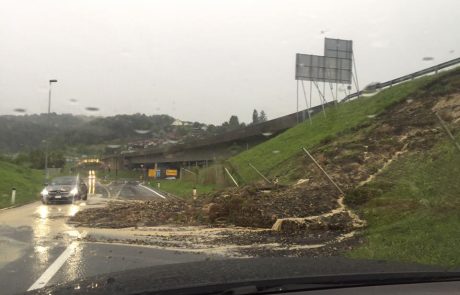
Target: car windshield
x: 142, y: 134
x: 64, y: 181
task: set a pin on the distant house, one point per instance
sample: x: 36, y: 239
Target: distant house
x: 178, y: 123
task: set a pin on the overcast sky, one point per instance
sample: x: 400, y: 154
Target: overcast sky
x: 203, y: 60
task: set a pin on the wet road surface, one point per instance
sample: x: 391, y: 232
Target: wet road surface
x: 38, y: 248
x: 130, y: 191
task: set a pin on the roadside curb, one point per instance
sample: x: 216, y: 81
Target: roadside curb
x: 18, y: 205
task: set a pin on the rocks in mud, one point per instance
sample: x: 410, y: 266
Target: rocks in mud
x: 130, y: 214
x: 213, y: 211
x: 249, y: 206
x: 384, y: 129
x: 254, y: 207
x: 338, y: 222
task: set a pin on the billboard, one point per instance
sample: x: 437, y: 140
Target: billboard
x: 338, y: 48
x: 335, y: 66
x: 323, y: 69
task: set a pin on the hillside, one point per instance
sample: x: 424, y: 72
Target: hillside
x: 28, y: 183
x: 28, y: 131
x: 390, y: 155
x: 280, y: 156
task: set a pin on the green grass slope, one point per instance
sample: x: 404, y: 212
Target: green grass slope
x: 414, y: 214
x: 279, y: 156
x: 182, y: 188
x: 28, y: 183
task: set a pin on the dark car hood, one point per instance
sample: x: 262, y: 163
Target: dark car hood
x: 218, y: 274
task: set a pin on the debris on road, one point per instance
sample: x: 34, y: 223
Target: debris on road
x: 247, y: 206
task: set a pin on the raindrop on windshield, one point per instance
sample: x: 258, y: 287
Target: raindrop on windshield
x: 142, y: 131
x: 267, y: 134
x: 428, y: 58
x: 113, y: 146
x: 20, y: 110
x: 276, y: 151
x: 92, y: 109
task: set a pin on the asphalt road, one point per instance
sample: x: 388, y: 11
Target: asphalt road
x: 128, y: 191
x: 38, y: 248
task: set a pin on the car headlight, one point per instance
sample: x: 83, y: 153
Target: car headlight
x: 44, y: 192
x: 74, y: 191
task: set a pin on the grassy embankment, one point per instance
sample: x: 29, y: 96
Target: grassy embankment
x: 182, y: 188
x: 28, y: 183
x: 413, y: 214
x: 279, y: 156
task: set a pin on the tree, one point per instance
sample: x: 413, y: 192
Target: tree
x: 255, y: 117
x: 234, y: 122
x: 262, y: 116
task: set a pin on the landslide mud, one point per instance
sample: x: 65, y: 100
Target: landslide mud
x: 316, y: 220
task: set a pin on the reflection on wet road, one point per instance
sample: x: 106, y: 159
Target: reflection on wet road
x: 38, y: 247
x: 32, y: 236
x: 131, y: 191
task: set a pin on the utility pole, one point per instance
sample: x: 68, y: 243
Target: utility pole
x: 49, y: 125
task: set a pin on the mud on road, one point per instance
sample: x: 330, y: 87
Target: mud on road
x: 234, y: 222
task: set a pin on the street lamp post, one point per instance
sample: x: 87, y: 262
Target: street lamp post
x: 49, y: 120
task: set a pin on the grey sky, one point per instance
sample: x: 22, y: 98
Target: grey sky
x: 203, y: 60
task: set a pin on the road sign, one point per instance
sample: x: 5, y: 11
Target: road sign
x: 152, y: 173
x: 171, y: 172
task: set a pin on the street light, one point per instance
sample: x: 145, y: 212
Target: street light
x: 49, y: 111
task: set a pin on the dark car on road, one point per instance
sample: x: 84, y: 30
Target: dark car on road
x: 64, y: 189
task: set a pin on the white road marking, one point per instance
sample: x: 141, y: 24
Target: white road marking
x: 54, y: 268
x: 122, y: 187
x: 104, y: 187
x: 153, y: 191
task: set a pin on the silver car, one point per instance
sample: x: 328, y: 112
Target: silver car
x: 64, y: 189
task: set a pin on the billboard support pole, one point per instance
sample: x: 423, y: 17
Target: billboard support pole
x: 297, y: 113
x: 355, y: 74
x: 306, y: 102
x: 336, y: 75
x: 321, y: 96
x: 324, y: 91
x: 332, y: 91
x: 310, y: 93
x: 336, y: 93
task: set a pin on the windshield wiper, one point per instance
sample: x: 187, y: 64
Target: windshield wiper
x: 254, y: 289
x: 346, y: 281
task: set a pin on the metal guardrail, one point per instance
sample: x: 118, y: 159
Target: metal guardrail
x: 405, y: 78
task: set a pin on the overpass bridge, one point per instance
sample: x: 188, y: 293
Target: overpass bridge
x: 204, y: 151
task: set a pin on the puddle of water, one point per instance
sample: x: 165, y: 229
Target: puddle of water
x: 11, y: 250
